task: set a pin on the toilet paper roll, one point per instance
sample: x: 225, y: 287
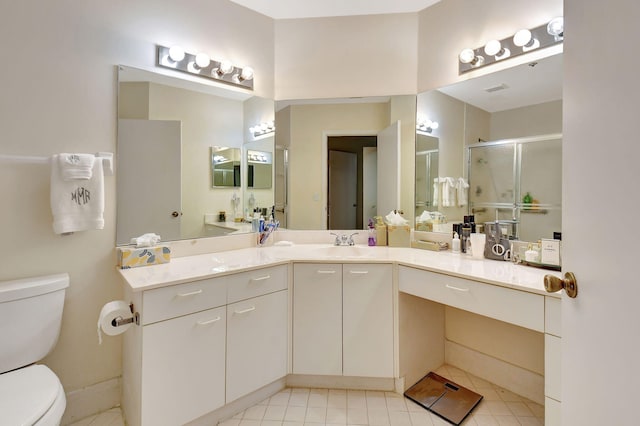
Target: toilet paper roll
x: 109, y: 313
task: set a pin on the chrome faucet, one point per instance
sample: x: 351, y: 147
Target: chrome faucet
x: 344, y: 239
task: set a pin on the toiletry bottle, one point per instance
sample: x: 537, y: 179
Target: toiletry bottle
x: 466, y: 235
x: 372, y: 234
x: 455, y: 243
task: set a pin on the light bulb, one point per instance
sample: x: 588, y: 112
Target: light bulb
x: 555, y: 27
x: 522, y: 38
x: 202, y: 60
x: 176, y: 53
x: 246, y: 74
x: 492, y: 48
x: 467, y: 56
x: 225, y: 67
x: 434, y: 125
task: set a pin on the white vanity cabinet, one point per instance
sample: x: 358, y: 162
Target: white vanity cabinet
x: 317, y: 319
x: 203, y: 344
x: 183, y: 367
x: 343, y: 319
x: 256, y: 343
x: 552, y: 360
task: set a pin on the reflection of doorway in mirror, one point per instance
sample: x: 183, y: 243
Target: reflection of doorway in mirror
x: 346, y: 183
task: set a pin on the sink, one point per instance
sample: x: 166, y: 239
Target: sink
x: 345, y: 252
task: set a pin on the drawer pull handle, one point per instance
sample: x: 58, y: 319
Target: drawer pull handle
x: 359, y: 272
x: 192, y: 293
x: 266, y: 277
x: 324, y: 271
x: 211, y: 321
x: 457, y: 288
x: 244, y: 311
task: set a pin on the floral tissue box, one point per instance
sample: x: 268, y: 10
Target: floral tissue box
x: 143, y: 256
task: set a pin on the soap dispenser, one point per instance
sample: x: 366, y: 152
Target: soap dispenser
x: 455, y: 244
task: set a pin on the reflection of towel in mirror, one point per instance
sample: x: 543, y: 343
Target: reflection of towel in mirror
x: 436, y: 192
x: 462, y: 189
x: 448, y: 192
x: 77, y: 204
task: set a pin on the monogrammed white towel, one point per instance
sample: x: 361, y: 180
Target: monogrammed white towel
x: 76, y: 204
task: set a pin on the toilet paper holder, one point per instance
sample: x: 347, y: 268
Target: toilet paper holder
x: 135, y: 318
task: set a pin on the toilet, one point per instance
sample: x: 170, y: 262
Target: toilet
x: 30, y: 319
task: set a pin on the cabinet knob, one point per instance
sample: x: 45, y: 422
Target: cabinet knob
x: 569, y: 284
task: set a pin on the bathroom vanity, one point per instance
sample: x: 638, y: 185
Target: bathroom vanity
x: 222, y: 331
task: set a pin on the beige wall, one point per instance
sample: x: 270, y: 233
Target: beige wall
x: 346, y: 56
x: 62, y: 98
x: 540, y: 119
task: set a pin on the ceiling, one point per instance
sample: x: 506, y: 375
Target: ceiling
x: 514, y: 87
x: 291, y: 9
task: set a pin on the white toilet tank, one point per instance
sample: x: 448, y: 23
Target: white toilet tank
x: 30, y: 318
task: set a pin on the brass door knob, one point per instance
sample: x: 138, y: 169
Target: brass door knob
x: 569, y: 284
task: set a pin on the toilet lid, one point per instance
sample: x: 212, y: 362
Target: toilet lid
x: 27, y: 394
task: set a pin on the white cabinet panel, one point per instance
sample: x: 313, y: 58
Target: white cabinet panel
x: 552, y: 413
x: 367, y: 332
x: 183, y: 368
x: 552, y: 363
x: 172, y: 301
x: 317, y: 319
x: 553, y: 316
x: 512, y: 306
x: 256, y: 343
x: 249, y: 284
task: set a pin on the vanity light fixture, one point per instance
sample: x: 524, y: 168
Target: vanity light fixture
x: 424, y: 126
x: 201, y: 64
x: 262, y: 129
x: 523, y: 41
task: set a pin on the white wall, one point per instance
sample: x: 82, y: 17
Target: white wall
x: 59, y: 95
x: 346, y: 56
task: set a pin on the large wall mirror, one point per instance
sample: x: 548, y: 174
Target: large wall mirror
x: 343, y: 160
x: 501, y: 132
x: 181, y: 156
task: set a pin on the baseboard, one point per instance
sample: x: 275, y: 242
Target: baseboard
x: 234, y: 407
x: 511, y: 377
x: 341, y: 382
x: 91, y: 400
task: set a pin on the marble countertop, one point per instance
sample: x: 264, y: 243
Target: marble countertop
x: 202, y: 266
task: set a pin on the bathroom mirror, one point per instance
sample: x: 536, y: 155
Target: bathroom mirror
x: 225, y: 167
x: 426, y: 171
x: 259, y: 169
x: 167, y: 180
x: 520, y: 102
x: 351, y: 137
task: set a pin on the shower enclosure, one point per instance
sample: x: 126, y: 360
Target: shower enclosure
x: 519, y: 183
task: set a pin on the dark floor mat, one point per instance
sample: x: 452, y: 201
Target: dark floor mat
x: 443, y: 397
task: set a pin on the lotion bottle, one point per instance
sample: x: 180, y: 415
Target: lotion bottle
x: 455, y: 244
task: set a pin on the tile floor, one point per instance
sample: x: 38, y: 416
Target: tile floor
x: 315, y: 407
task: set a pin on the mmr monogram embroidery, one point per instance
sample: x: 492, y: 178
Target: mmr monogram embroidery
x: 81, y: 196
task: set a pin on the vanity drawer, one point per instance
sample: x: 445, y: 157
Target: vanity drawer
x: 176, y: 300
x: 246, y: 285
x: 512, y: 306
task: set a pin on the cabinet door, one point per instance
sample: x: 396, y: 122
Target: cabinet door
x: 183, y: 361
x: 317, y: 319
x: 256, y: 343
x: 367, y: 320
